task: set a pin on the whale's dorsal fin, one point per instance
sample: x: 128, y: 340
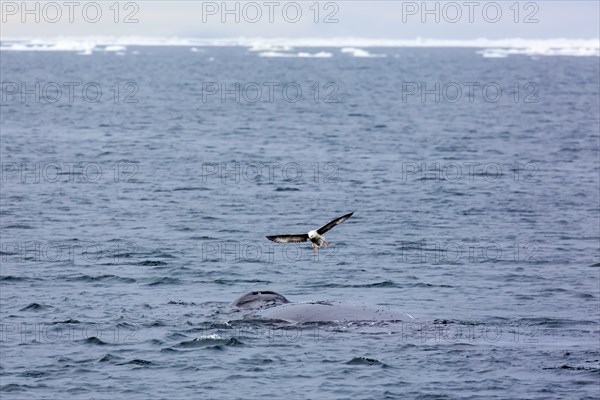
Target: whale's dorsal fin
x: 260, y: 299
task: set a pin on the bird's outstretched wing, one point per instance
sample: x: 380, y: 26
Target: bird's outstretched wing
x: 289, y: 238
x: 333, y: 223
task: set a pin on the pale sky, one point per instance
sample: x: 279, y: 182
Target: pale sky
x: 304, y: 19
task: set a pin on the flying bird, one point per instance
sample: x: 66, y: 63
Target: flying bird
x: 314, y: 236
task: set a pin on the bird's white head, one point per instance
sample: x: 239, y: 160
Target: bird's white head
x: 312, y: 234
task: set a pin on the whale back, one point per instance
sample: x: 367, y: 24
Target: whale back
x: 328, y: 312
x: 260, y: 300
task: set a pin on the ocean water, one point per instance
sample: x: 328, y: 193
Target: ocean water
x: 131, y: 220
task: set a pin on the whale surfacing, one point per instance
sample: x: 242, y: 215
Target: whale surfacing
x: 270, y: 305
x: 329, y: 312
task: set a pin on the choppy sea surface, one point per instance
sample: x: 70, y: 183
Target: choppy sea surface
x: 131, y: 219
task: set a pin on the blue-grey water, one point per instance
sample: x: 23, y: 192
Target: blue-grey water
x: 129, y: 225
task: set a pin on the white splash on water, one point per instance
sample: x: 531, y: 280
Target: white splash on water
x: 283, y: 47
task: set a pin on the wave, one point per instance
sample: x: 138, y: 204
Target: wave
x: 275, y: 54
x: 544, y: 50
x: 115, y: 48
x: 84, y: 47
x: 48, y: 45
x: 356, y: 52
x: 282, y: 47
x: 320, y: 54
x: 267, y: 47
